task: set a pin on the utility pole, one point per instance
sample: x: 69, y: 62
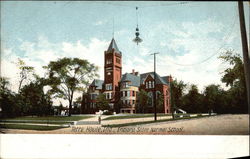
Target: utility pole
x: 154, y: 85
x: 244, y: 49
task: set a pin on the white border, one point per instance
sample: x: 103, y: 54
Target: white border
x: 20, y: 146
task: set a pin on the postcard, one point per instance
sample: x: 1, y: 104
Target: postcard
x: 125, y: 69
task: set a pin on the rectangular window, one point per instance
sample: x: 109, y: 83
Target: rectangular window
x: 108, y: 96
x: 126, y: 84
x: 109, y: 61
x: 118, y: 60
x: 109, y: 86
x: 149, y: 85
x: 133, y: 101
x: 125, y: 93
x: 133, y: 93
x: 93, y: 96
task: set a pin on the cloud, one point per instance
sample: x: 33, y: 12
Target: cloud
x: 100, y: 22
x: 179, y: 44
x: 190, y: 43
x: 40, y: 53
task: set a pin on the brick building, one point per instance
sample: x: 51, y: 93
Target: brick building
x: 122, y: 90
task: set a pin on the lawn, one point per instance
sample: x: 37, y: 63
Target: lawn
x: 55, y: 118
x: 29, y: 127
x: 45, y: 120
x: 134, y: 116
x: 149, y: 122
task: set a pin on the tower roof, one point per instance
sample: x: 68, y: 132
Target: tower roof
x: 135, y: 80
x: 97, y: 83
x: 113, y: 45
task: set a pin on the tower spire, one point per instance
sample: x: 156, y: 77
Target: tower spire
x: 113, y: 33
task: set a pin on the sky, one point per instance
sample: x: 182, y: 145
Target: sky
x: 185, y: 34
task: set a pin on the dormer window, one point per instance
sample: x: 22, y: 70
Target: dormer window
x: 126, y: 84
x: 149, y: 84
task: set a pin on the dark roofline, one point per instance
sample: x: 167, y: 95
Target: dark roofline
x: 112, y: 46
x: 158, y: 77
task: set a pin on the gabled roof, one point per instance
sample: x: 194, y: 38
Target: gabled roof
x: 113, y: 45
x: 159, y: 80
x: 97, y: 83
x: 135, y: 80
x: 165, y: 78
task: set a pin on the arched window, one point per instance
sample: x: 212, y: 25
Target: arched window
x: 158, y: 93
x: 150, y: 99
x: 167, y: 93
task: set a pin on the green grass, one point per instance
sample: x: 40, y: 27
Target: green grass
x: 55, y: 118
x: 29, y: 127
x: 37, y: 122
x: 149, y: 122
x: 45, y: 120
x: 134, y: 116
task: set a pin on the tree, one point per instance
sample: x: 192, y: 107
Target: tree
x: 233, y: 76
x: 4, y: 84
x: 159, y: 103
x: 101, y: 102
x: 212, y: 95
x: 177, y: 92
x: 25, y: 72
x: 77, y: 105
x: 34, y: 99
x: 192, y: 101
x: 68, y: 75
x: 7, y: 99
x: 142, y: 101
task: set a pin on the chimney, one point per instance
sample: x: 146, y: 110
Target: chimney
x: 170, y: 79
x: 134, y: 73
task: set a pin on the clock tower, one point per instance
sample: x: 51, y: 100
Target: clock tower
x: 112, y: 71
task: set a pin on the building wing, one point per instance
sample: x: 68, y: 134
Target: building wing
x: 159, y: 80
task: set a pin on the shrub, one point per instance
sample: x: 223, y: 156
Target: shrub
x: 108, y: 113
